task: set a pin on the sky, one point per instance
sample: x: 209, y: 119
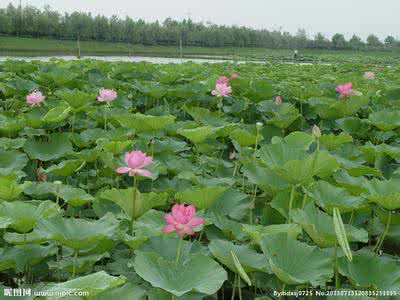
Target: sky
x: 349, y: 17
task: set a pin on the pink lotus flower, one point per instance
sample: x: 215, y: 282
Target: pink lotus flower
x: 107, y: 95
x: 234, y: 75
x: 136, y: 161
x: 222, y: 90
x: 345, y: 89
x: 182, y: 220
x: 35, y: 98
x: 278, y: 100
x: 223, y: 80
x: 369, y: 75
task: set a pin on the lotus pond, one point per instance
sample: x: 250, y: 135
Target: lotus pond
x: 212, y: 181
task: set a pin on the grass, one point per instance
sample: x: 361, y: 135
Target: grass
x: 15, y: 46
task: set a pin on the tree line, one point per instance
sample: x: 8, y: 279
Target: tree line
x: 29, y: 21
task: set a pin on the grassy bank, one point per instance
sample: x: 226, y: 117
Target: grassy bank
x: 14, y: 46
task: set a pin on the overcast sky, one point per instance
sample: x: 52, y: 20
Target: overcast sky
x: 346, y: 16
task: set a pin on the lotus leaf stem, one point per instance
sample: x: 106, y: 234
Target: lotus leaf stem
x: 178, y: 251
x: 385, y: 232
x: 291, y: 202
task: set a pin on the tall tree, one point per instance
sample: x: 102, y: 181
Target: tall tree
x: 338, y: 41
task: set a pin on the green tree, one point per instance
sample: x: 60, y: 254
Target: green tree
x: 356, y: 43
x: 373, y: 41
x: 320, y: 41
x: 389, y: 41
x: 338, y: 41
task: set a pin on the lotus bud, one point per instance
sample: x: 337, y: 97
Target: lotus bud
x: 316, y: 132
x: 259, y: 125
x: 232, y: 155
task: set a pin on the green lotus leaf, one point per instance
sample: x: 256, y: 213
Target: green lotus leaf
x: 283, y: 252
x: 9, y: 188
x: 128, y: 291
x: 245, y: 138
x: 41, y: 190
x: 76, y: 98
x: 199, y: 134
x: 197, y: 273
x: 353, y: 163
x: 281, y: 201
x: 18, y: 257
x: 134, y: 242
x: 297, y: 140
x: 370, y: 271
x: 56, y: 147
x: 93, y: 284
x: 12, y: 161
x: 257, y: 232
x: 143, y: 201
x: 353, y: 125
x: 225, y: 130
x: 23, y: 238
x: 65, y: 168
x: 205, y: 116
x: 319, y: 226
x: 356, y: 185
x: 329, y: 196
x: 23, y: 216
x: 9, y: 127
x: 322, y: 165
x: 170, y: 146
x: 57, y: 114
x: 260, y: 90
x: 332, y: 141
x: 202, y: 198
x: 383, y: 216
x: 77, y: 234
x: 5, y: 222
x: 56, y: 77
x: 82, y: 263
x: 276, y: 154
x: 250, y: 260
x: 232, y: 203
x: 330, y: 108
x: 166, y: 246
x: 8, y: 143
x: 229, y: 228
x: 385, y: 193
x: 393, y: 92
x: 240, y: 84
x: 143, y: 123
x: 74, y: 196
x: 114, y: 147
x: 292, y: 147
x: 264, y: 178
x: 296, y: 165
x: 281, y: 116
x: 34, y: 118
x: 88, y: 155
x: 371, y: 152
x: 385, y: 120
x: 149, y: 224
x: 89, y: 136
x: 19, y: 84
